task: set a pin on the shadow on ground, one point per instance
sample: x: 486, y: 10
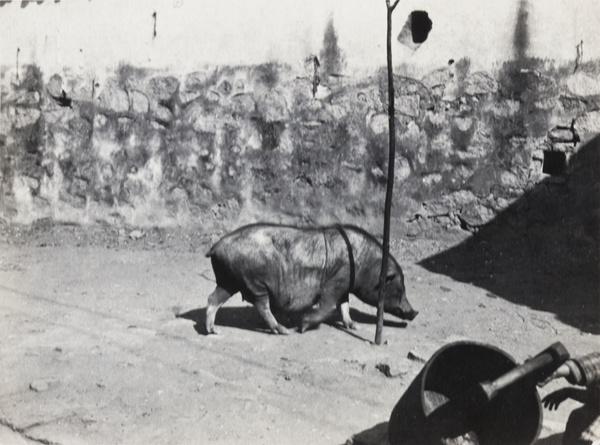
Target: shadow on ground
x: 237, y: 317
x: 378, y: 435
x: 542, y: 251
x: 363, y: 318
x: 246, y: 317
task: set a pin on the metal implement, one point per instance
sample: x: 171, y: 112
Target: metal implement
x: 472, y: 393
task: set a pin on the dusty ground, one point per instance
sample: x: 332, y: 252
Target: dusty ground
x: 98, y: 345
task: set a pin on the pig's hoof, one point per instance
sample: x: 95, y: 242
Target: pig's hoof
x: 304, y: 327
x: 212, y: 331
x: 279, y: 329
x: 351, y: 325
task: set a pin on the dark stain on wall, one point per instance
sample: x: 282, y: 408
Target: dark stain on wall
x: 521, y: 32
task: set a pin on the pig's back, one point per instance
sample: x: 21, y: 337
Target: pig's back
x: 286, y: 262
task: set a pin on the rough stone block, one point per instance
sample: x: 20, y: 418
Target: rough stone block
x: 28, y: 99
x: 114, y: 98
x: 583, y: 85
x: 505, y: 108
x: 402, y: 169
x: 547, y: 104
x: 449, y: 203
x: 54, y: 86
x: 476, y: 214
x: 200, y: 119
x: 484, y: 179
x: 239, y: 86
x: 243, y: 104
x: 509, y: 180
x: 273, y: 107
x: 434, y: 123
x: 588, y: 124
x: 195, y: 81
x: 408, y: 105
x: 162, y: 114
x: 189, y: 96
x: 479, y: 84
x: 162, y: 88
x: 225, y: 88
x: 23, y: 117
x: 79, y: 187
x: 438, y: 78
x: 139, y: 102
x: 26, y: 183
x: 369, y: 97
x: 5, y: 125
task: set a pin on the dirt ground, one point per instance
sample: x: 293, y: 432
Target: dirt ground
x: 98, y: 345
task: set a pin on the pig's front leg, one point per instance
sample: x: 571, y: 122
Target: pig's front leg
x: 317, y: 315
x: 344, y: 309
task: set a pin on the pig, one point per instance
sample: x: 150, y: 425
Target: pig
x: 307, y: 270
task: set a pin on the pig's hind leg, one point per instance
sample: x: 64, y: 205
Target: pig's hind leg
x: 261, y: 303
x: 215, y: 301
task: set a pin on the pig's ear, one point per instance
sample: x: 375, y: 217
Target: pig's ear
x: 392, y: 268
x: 389, y: 277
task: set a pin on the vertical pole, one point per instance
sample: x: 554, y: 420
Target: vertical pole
x: 390, y: 177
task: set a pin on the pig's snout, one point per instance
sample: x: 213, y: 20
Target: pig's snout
x: 410, y: 315
x: 405, y: 312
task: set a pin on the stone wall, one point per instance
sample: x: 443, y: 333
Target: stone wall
x: 238, y: 144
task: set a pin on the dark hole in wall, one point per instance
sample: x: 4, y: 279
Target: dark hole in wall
x: 270, y: 133
x: 421, y: 25
x: 555, y: 162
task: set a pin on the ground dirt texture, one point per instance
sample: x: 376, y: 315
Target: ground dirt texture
x: 99, y: 344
